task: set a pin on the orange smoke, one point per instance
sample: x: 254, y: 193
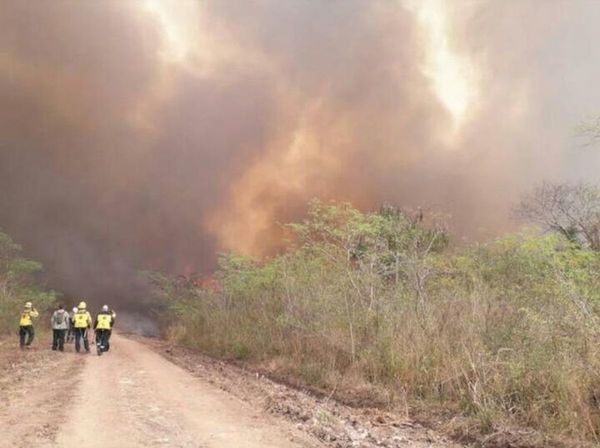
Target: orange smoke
x: 272, y: 185
x: 153, y: 134
x: 305, y: 158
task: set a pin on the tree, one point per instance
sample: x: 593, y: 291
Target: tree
x: 18, y: 283
x: 572, y: 210
x: 374, y: 249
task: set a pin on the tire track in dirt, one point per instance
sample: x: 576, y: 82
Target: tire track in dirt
x: 133, y: 397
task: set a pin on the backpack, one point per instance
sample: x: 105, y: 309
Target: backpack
x: 59, y: 318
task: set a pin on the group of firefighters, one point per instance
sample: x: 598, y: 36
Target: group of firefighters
x: 72, y: 327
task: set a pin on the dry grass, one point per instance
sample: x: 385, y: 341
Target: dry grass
x: 505, y: 334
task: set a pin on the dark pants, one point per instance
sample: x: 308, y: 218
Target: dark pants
x: 58, y: 339
x: 71, y: 334
x: 26, y: 335
x: 102, y: 338
x: 81, y: 333
x: 107, y: 346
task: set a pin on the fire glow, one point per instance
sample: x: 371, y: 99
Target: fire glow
x: 452, y: 75
x: 155, y: 134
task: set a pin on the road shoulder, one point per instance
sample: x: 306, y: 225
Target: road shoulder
x: 36, y: 387
x: 334, y: 424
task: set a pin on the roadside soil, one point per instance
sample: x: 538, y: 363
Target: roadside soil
x: 129, y: 397
x: 141, y: 395
x: 354, y: 424
x: 36, y: 389
x: 149, y: 393
x: 332, y: 423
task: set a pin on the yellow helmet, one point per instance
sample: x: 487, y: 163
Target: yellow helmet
x: 82, y: 306
x: 28, y: 305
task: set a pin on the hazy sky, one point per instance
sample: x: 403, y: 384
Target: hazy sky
x: 152, y: 134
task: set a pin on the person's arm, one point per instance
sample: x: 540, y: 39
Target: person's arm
x: 52, y: 319
x: 34, y: 313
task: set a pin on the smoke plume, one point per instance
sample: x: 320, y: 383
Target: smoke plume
x: 153, y: 134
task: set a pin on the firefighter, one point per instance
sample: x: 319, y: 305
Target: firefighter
x: 26, y: 331
x: 60, y: 324
x: 82, y: 321
x: 71, y: 332
x: 103, y: 326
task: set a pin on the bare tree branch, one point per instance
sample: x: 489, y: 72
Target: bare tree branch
x: 572, y: 210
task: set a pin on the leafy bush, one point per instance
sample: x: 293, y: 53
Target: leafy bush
x: 18, y: 285
x: 507, y: 331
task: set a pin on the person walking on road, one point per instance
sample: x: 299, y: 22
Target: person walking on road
x: 60, y: 324
x: 26, y: 331
x: 71, y: 331
x: 103, y: 326
x: 82, y: 322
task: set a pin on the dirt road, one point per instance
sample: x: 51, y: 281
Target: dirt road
x: 133, y: 397
x: 147, y: 393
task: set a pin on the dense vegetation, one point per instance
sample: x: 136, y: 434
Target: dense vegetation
x: 505, y: 332
x: 18, y: 284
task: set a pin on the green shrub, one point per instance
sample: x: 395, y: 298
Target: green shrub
x: 506, y: 331
x: 18, y: 285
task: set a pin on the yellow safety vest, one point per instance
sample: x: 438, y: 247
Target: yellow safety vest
x: 103, y: 322
x: 82, y: 319
x: 27, y: 317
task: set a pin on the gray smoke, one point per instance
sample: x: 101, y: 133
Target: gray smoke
x: 126, y: 146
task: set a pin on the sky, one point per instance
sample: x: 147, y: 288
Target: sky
x: 151, y: 135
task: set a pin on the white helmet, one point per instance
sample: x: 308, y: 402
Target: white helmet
x: 105, y: 308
